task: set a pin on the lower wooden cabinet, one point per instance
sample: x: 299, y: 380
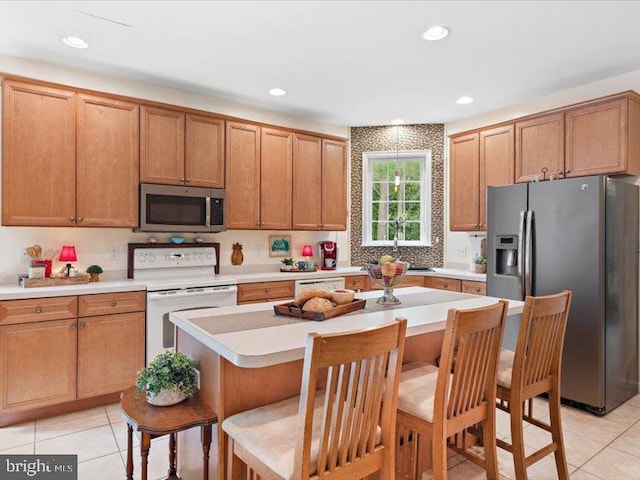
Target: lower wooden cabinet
x: 407, y: 281
x: 109, y: 366
x: 476, y: 288
x: 46, y: 360
x: 454, y: 285
x: 359, y: 283
x: 37, y: 364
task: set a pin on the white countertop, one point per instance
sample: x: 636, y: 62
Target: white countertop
x: 16, y: 292
x: 262, y: 347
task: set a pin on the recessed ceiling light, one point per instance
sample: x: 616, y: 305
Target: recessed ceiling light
x: 75, y: 42
x: 437, y: 32
x: 397, y: 121
x: 464, y: 100
x: 277, y: 92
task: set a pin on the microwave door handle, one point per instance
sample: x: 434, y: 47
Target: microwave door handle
x: 207, y: 212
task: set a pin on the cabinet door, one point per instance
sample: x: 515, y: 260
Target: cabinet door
x: 496, y: 163
x: 540, y: 144
x: 276, y: 179
x: 39, y: 155
x: 37, y: 364
x: 243, y: 176
x: 108, y: 162
x: 110, y: 352
x: 464, y: 198
x: 161, y: 146
x: 307, y: 189
x: 204, y: 151
x: 334, y: 185
x: 596, y: 139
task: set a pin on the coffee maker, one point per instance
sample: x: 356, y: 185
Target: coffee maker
x: 328, y: 255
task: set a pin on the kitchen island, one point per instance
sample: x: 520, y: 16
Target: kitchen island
x: 250, y: 357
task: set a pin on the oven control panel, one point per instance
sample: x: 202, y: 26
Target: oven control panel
x: 153, y: 258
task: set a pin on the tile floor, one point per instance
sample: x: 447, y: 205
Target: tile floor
x: 597, y: 447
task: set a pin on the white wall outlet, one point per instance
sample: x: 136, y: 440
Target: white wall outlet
x: 462, y: 251
x: 24, y: 259
x: 115, y: 253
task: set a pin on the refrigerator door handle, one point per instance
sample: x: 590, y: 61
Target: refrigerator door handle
x: 520, y: 259
x: 528, y: 252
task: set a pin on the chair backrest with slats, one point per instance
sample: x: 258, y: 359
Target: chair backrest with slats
x: 475, y: 336
x: 538, y: 353
x: 360, y: 397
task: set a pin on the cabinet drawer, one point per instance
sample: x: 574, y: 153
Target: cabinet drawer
x: 108, y: 303
x: 356, y: 282
x: 407, y: 281
x: 476, y: 288
x: 252, y: 292
x: 38, y: 310
x: 444, y: 283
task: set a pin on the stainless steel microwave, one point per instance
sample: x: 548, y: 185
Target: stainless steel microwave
x: 169, y: 208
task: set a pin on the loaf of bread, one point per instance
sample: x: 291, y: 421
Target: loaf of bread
x: 308, y: 293
x: 317, y: 304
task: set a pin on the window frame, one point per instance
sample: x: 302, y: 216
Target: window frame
x: 425, y: 158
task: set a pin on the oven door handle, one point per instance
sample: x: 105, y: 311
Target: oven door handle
x: 153, y: 296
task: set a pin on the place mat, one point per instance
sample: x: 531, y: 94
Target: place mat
x: 236, y: 322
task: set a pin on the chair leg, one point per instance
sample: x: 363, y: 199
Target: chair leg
x: 556, y: 434
x: 517, y: 439
x: 439, y: 448
x: 490, y: 447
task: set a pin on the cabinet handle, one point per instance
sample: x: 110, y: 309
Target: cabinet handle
x: 80, y: 219
x: 38, y: 309
x: 81, y: 325
x: 182, y: 179
x: 267, y: 290
x: 560, y: 172
x: 114, y: 303
x: 262, y: 223
x: 477, y: 289
x: 568, y: 171
x: 74, y: 326
x: 72, y: 219
x: 187, y: 179
x: 445, y: 285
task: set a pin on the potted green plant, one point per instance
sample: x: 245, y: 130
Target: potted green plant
x: 169, y: 379
x: 480, y: 264
x: 94, y: 271
x: 287, y: 263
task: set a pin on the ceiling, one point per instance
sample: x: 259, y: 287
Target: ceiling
x: 346, y: 63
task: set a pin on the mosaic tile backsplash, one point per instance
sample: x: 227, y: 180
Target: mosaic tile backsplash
x: 408, y: 137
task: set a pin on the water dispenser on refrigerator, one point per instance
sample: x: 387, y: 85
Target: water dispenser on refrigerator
x: 506, y: 255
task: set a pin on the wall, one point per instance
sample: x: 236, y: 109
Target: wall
x: 94, y: 245
x: 456, y: 241
x: 410, y: 137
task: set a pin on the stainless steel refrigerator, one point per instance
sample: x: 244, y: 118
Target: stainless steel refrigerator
x: 579, y: 234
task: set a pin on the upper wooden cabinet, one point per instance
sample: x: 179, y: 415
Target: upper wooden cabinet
x: 334, y: 185
x: 603, y: 138
x: 39, y: 155
x: 243, y: 170
x: 178, y: 148
x: 540, y: 145
x: 161, y: 145
x: 307, y: 190
x: 107, y: 163
x: 464, y: 206
x: 496, y: 163
x: 276, y: 179
x: 204, y: 151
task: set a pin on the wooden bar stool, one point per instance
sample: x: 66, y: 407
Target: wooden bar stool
x: 437, y: 404
x: 534, y: 368
x: 154, y: 422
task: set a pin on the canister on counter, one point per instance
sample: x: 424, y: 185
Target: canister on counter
x: 36, y: 271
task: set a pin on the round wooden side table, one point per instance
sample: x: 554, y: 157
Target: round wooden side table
x: 154, y: 422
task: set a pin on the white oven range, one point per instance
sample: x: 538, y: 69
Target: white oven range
x: 178, y: 279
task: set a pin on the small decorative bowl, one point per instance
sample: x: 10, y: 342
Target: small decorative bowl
x: 342, y: 296
x: 176, y: 240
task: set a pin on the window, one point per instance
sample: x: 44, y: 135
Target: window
x: 396, y: 186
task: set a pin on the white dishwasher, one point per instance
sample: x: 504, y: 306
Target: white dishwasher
x: 323, y: 283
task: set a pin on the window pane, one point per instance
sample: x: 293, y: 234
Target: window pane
x: 393, y: 211
x: 412, y: 171
x: 393, y: 194
x: 379, y: 171
x: 412, y: 210
x: 375, y: 211
x: 379, y: 230
x: 393, y: 166
x: 412, y: 191
x: 412, y: 231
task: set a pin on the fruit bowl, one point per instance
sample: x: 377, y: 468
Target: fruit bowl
x: 388, y: 275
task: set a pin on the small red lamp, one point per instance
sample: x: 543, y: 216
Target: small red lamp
x: 307, y: 251
x: 68, y: 254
